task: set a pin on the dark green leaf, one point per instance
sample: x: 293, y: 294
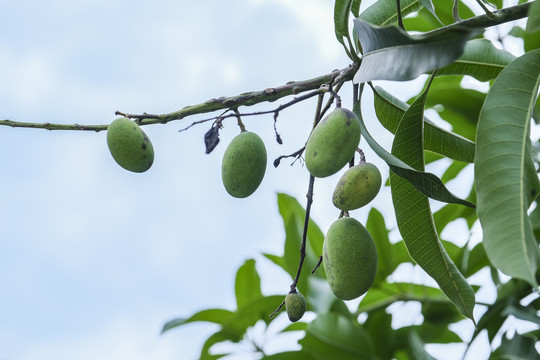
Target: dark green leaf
x: 386, y: 258
x: 414, y: 218
x: 390, y: 110
x: 342, y: 10
x: 429, y: 333
x: 480, y: 59
x: 247, y: 284
x: 517, y: 348
x: 379, y: 326
x: 289, y: 355
x: 332, y: 336
x: 417, y: 347
x: 218, y: 316
x: 458, y: 106
x: 384, y: 12
x: 427, y: 183
x: 502, y: 157
x: 385, y: 47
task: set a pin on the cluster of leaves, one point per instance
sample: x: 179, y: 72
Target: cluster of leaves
x: 490, y: 132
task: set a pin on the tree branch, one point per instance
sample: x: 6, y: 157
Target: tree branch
x: 272, y: 94
x: 230, y: 102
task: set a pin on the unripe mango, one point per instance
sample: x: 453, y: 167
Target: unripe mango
x: 295, y: 304
x: 357, y: 187
x: 349, y: 258
x: 332, y: 143
x: 243, y: 165
x: 129, y: 145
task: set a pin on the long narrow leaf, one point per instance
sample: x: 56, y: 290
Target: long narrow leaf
x: 247, y: 283
x: 389, y: 53
x: 390, y: 109
x: 427, y: 183
x: 414, y: 217
x: 480, y: 59
x: 384, y: 12
x: 502, y: 159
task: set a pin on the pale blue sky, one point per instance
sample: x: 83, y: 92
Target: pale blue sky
x: 94, y: 259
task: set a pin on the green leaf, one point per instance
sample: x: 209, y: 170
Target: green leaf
x: 332, y: 336
x: 417, y: 347
x: 247, y: 284
x: 384, y: 12
x: 531, y: 40
x: 289, y: 355
x: 456, y: 105
x: 387, y: 261
x: 218, y: 316
x: 517, y: 348
x: 342, y: 10
x: 480, y: 59
x: 215, y: 338
x: 533, y: 22
x: 355, y: 8
x: 414, y: 218
x: 427, y: 183
x: 379, y: 326
x: 385, y: 47
x: 249, y: 314
x: 390, y: 110
x: 387, y: 293
x: 502, y: 158
x: 293, y: 215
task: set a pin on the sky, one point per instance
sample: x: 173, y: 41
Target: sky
x: 95, y: 259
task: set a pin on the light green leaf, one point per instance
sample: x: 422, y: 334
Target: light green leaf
x: 502, y: 159
x: 215, y: 338
x: 218, y: 316
x: 480, y: 59
x: 384, y: 12
x: 427, y: 183
x: 251, y: 313
x: 247, y: 284
x: 332, y: 336
x: 390, y: 110
x: 533, y: 22
x: 385, y: 47
x: 289, y: 355
x: 414, y: 218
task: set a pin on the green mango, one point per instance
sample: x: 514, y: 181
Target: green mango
x: 129, y: 145
x: 332, y: 143
x: 295, y: 304
x: 349, y: 258
x: 243, y: 165
x: 357, y: 187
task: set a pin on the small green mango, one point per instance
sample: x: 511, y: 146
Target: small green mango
x: 243, y: 165
x: 295, y: 304
x: 332, y: 143
x: 357, y: 187
x: 349, y: 258
x: 129, y: 145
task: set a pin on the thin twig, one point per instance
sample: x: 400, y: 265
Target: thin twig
x: 309, y: 197
x: 318, y: 265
